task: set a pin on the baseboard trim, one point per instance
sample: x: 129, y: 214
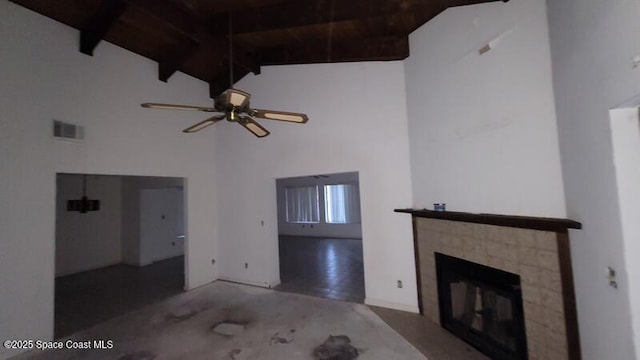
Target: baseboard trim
x: 265, y: 284
x: 392, y: 305
x: 190, y: 287
x: 93, y: 267
x: 149, y: 262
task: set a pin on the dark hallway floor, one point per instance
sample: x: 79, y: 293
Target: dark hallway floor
x: 91, y: 297
x: 324, y: 267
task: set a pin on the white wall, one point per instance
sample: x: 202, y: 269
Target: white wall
x: 625, y: 132
x: 322, y: 228
x: 44, y: 77
x: 131, y: 187
x: 91, y: 240
x: 593, y: 44
x: 482, y: 127
x: 159, y: 225
x: 357, y: 123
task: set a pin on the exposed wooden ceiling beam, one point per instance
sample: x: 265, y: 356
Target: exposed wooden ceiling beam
x: 193, y: 27
x: 174, y: 60
x: 305, y: 13
x: 92, y: 33
x: 222, y: 81
x: 452, y: 3
x: 374, y: 49
x: 192, y: 35
x: 223, y: 6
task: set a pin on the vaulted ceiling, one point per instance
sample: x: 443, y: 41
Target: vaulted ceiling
x: 192, y: 36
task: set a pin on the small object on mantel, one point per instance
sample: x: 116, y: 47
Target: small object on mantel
x: 517, y: 221
x: 439, y: 207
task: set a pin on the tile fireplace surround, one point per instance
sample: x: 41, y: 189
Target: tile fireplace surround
x: 536, y: 249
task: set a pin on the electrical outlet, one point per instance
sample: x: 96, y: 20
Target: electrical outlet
x: 399, y: 284
x: 213, y: 261
x: 246, y: 265
x: 611, y: 276
x: 485, y: 49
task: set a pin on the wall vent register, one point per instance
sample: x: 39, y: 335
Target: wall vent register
x: 67, y: 131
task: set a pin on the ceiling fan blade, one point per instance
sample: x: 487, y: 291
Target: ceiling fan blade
x: 177, y: 107
x: 203, y: 124
x: 253, y: 126
x: 280, y: 116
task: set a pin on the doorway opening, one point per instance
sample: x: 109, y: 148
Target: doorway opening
x: 119, y: 246
x: 320, y: 236
x: 625, y: 140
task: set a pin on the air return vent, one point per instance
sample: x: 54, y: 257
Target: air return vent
x: 67, y: 131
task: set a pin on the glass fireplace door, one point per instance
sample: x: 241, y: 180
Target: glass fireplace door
x: 483, y: 306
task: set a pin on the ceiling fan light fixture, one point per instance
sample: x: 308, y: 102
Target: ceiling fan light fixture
x: 236, y: 98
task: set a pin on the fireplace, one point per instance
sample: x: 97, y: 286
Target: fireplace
x: 482, y: 306
x: 523, y: 304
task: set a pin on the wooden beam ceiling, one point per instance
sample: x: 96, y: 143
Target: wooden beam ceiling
x: 319, y: 12
x: 101, y: 21
x: 192, y: 35
x: 373, y: 49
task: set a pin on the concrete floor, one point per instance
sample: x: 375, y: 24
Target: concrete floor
x: 90, y: 298
x: 277, y: 325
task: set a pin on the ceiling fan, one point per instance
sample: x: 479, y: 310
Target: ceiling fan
x: 233, y: 105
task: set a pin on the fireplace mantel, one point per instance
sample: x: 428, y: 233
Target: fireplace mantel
x: 522, y: 222
x: 536, y: 249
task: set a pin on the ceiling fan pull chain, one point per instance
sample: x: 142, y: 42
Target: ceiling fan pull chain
x: 230, y: 49
x: 329, y: 40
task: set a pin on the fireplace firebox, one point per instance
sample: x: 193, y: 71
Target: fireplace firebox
x: 483, y: 306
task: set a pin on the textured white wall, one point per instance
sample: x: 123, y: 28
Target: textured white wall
x: 93, y: 239
x: 159, y: 213
x: 592, y: 45
x: 131, y: 187
x: 482, y: 127
x: 44, y: 77
x: 357, y: 123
